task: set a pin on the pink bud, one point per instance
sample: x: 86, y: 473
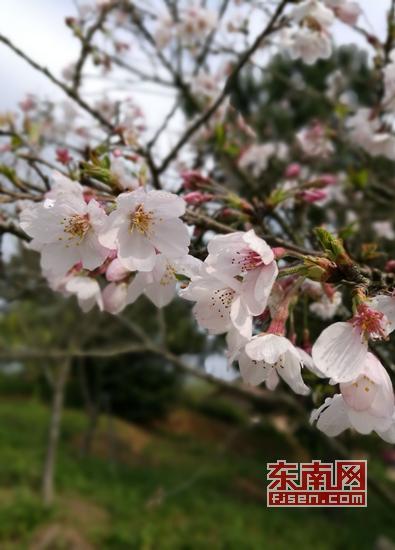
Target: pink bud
x: 327, y: 179
x: 348, y: 13
x: 117, y: 153
x: 192, y: 179
x: 390, y: 266
x: 312, y: 195
x: 115, y: 271
x: 88, y: 196
x: 196, y: 197
x: 278, y: 251
x: 63, y: 156
x: 27, y: 104
x: 115, y: 297
x: 293, y: 170
x: 70, y: 21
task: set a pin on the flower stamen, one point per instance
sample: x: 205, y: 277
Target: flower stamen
x: 141, y: 220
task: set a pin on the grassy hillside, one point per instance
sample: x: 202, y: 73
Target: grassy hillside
x: 161, y: 489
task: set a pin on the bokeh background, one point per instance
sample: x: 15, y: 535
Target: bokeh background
x: 150, y: 456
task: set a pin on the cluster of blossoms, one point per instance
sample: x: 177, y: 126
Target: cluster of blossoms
x: 109, y: 253
x: 134, y: 246
x: 109, y: 248
x: 194, y: 24
x: 309, y: 36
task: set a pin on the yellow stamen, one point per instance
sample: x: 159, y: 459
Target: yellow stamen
x: 141, y: 220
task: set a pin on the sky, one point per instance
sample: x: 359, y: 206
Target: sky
x: 37, y: 26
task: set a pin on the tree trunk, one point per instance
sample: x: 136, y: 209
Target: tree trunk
x: 54, y: 431
x: 92, y: 409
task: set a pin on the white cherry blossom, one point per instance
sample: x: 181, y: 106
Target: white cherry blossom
x: 160, y: 284
x: 143, y: 224
x: 307, y: 44
x: 365, y: 404
x: 256, y: 158
x: 87, y: 291
x: 312, y: 11
x: 65, y: 229
x: 268, y: 357
x: 367, y: 131
x: 220, y: 305
x: 314, y: 142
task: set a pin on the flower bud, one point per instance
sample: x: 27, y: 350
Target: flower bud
x: 197, y: 197
x: 293, y: 170
x: 327, y: 179
x: 390, y: 266
x: 115, y: 297
x: 312, y: 195
x: 193, y: 179
x: 115, y: 271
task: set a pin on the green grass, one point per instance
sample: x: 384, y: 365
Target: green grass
x: 179, y: 494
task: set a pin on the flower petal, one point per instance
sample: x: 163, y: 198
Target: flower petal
x: 268, y: 348
x: 290, y: 371
x: 253, y: 372
x: 339, y: 352
x: 332, y: 417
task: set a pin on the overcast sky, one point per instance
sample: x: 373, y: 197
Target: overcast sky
x: 37, y: 26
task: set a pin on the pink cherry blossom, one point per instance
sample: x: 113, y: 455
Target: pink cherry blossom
x: 248, y: 256
x: 346, y: 11
x: 341, y: 349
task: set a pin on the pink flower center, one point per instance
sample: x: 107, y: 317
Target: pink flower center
x: 247, y: 259
x: 370, y: 321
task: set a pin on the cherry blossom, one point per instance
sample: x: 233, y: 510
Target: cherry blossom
x: 340, y: 350
x: 270, y: 356
x: 384, y: 229
x: 309, y: 40
x: 87, y: 291
x: 65, y: 229
x: 256, y: 158
x: 195, y: 23
x: 346, y: 11
x: 160, y: 284
x: 76, y: 282
x: 125, y: 180
x: 326, y: 300
x: 314, y: 141
x: 310, y: 11
x: 244, y: 255
x: 220, y: 305
x: 367, y: 132
x: 365, y: 404
x: 144, y: 223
